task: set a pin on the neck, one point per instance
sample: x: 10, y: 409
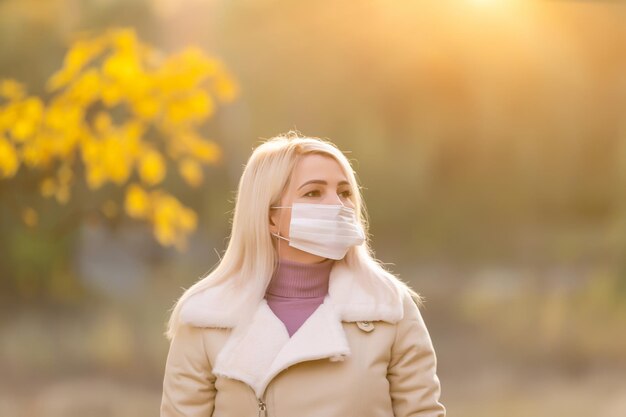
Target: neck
x: 299, y: 279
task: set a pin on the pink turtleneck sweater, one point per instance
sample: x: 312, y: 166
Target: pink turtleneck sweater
x: 297, y: 289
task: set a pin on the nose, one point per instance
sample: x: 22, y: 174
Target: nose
x: 334, y: 200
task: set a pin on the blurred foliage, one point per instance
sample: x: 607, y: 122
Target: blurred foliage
x: 123, y: 110
x: 568, y: 325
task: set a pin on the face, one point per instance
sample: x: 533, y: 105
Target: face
x: 316, y: 179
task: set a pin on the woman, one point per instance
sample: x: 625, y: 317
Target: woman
x: 298, y: 319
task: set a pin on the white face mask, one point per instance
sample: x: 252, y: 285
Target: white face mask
x: 327, y: 230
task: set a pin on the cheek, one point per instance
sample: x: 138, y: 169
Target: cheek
x: 284, y: 221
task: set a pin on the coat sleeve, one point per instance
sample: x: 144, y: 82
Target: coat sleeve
x: 188, y: 383
x: 412, y: 373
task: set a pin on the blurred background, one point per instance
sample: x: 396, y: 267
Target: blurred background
x: 489, y: 137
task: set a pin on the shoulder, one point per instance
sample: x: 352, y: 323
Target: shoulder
x: 412, y: 329
x: 215, y: 306
x: 411, y: 303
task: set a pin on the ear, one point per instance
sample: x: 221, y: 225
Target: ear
x: 273, y: 220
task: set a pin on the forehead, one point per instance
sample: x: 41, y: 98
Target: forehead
x: 320, y: 167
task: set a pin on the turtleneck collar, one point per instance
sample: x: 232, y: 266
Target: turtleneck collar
x: 301, y: 280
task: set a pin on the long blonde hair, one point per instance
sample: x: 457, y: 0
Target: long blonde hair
x: 251, y: 257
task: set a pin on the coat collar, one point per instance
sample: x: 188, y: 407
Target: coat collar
x: 258, y: 349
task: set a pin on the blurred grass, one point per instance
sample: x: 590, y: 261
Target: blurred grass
x: 567, y: 324
x: 509, y: 342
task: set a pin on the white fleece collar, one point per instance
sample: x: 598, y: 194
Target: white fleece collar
x: 215, y: 307
x: 258, y: 350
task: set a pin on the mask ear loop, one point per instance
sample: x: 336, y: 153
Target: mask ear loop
x: 280, y: 216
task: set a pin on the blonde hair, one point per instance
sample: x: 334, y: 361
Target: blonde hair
x: 251, y: 257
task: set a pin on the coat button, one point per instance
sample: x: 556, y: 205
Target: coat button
x: 366, y: 326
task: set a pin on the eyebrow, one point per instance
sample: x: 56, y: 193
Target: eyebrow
x: 322, y: 182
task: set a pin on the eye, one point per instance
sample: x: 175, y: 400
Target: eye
x: 307, y: 194
x: 346, y: 194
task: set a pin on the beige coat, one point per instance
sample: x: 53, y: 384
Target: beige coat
x: 351, y: 357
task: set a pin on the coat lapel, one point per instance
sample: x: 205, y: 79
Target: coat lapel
x: 263, y: 349
x: 260, y: 348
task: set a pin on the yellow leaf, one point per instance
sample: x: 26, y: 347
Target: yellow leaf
x: 56, y: 117
x: 122, y: 67
x: 102, y: 122
x: 172, y: 221
x: 86, y: 88
x: 8, y: 115
x: 62, y: 194
x: 47, y: 187
x: 30, y: 114
x: 80, y: 53
x: 191, y: 171
x: 176, y: 112
x: 146, y: 108
x: 33, y: 154
x: 164, y: 214
x: 11, y: 89
x: 22, y: 129
x: 58, y: 80
x: 191, y: 143
x: 164, y: 233
x: 29, y: 217
x: 194, y: 57
x: 95, y: 176
x: 111, y: 93
x: 200, y: 105
x: 137, y: 203
x: 205, y: 150
x: 124, y: 39
x: 33, y: 108
x: 226, y: 88
x: 116, y: 160
x: 90, y: 149
x: 152, y: 167
x: 188, y: 219
x: 133, y: 129
x: 9, y: 161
